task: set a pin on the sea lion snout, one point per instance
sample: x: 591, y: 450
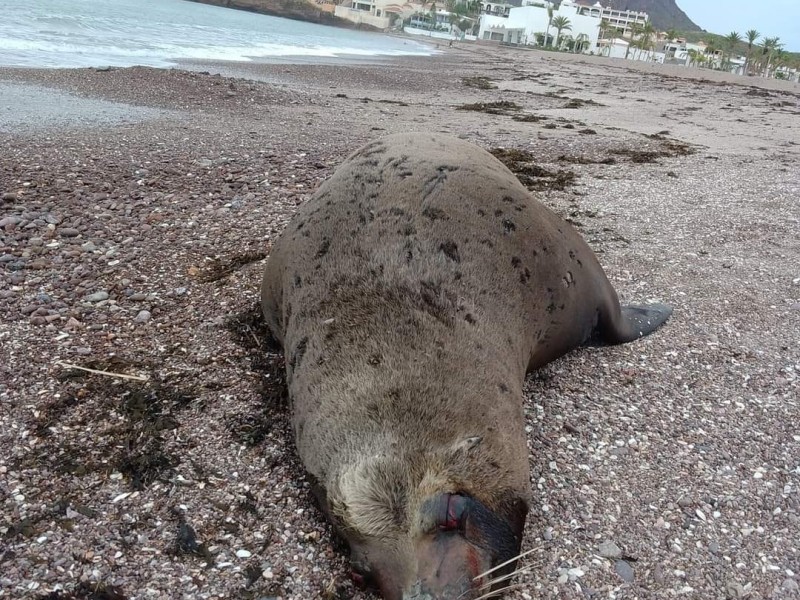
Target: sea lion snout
x: 458, y: 549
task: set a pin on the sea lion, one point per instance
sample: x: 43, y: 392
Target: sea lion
x: 411, y: 294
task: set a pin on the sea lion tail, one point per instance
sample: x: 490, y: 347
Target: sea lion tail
x: 635, y: 321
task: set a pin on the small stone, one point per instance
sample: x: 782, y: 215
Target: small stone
x: 38, y: 321
x: 658, y: 574
x: 790, y: 585
x: 137, y: 297
x: 97, y: 296
x: 685, y: 501
x: 142, y: 317
x: 10, y: 221
x: 624, y: 570
x: 9, y: 197
x: 734, y: 590
x: 243, y: 554
x: 713, y: 547
x: 72, y: 323
x: 68, y: 232
x: 575, y: 573
x: 609, y: 549
x: 88, y: 246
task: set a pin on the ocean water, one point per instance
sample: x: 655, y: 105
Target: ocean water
x: 93, y: 33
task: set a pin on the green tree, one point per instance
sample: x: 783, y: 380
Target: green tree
x: 549, y: 23
x: 561, y: 23
x: 636, y: 28
x: 732, y: 40
x: 581, y: 43
x: 752, y: 37
x: 771, y: 46
x: 711, y: 53
x: 671, y: 34
x: 646, y: 36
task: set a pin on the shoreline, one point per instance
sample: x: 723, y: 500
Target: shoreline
x: 136, y: 248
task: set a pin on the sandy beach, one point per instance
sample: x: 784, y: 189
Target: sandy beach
x: 137, y: 206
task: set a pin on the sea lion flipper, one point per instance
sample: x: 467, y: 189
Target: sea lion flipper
x: 635, y: 321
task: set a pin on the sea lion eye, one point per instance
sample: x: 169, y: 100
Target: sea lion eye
x: 452, y: 513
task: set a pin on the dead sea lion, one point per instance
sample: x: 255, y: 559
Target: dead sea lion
x: 411, y: 295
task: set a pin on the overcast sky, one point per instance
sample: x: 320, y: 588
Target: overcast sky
x: 770, y: 17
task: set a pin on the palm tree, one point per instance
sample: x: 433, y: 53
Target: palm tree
x: 671, y: 34
x: 636, y: 28
x: 581, y: 43
x: 781, y: 59
x: 605, y: 27
x: 561, y: 23
x: 775, y: 46
x: 549, y: 22
x: 711, y: 53
x: 646, y: 34
x: 752, y: 36
x: 732, y: 39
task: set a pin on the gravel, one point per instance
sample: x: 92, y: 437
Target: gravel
x: 133, y: 246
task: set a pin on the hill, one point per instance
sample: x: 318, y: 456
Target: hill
x: 665, y: 14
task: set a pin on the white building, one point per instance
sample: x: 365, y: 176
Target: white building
x: 621, y: 20
x: 525, y: 23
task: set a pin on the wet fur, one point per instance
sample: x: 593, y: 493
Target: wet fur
x: 411, y: 295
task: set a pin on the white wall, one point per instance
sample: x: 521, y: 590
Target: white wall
x: 361, y: 16
x: 533, y: 19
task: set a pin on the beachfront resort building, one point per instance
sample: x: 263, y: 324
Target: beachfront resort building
x: 528, y: 25
x: 376, y: 13
x: 622, y: 21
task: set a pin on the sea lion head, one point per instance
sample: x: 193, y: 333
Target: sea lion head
x: 420, y: 534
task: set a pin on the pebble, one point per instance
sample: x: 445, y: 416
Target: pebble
x: 137, y: 297
x: 142, y: 317
x: 9, y: 197
x: 735, y: 590
x: 68, y: 232
x: 97, y: 296
x: 609, y: 549
x: 685, y: 501
x: 624, y: 570
x: 790, y: 585
x: 88, y: 247
x: 243, y: 554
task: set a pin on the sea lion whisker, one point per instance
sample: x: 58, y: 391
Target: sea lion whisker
x: 505, y: 564
x: 511, y: 575
x: 500, y: 591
